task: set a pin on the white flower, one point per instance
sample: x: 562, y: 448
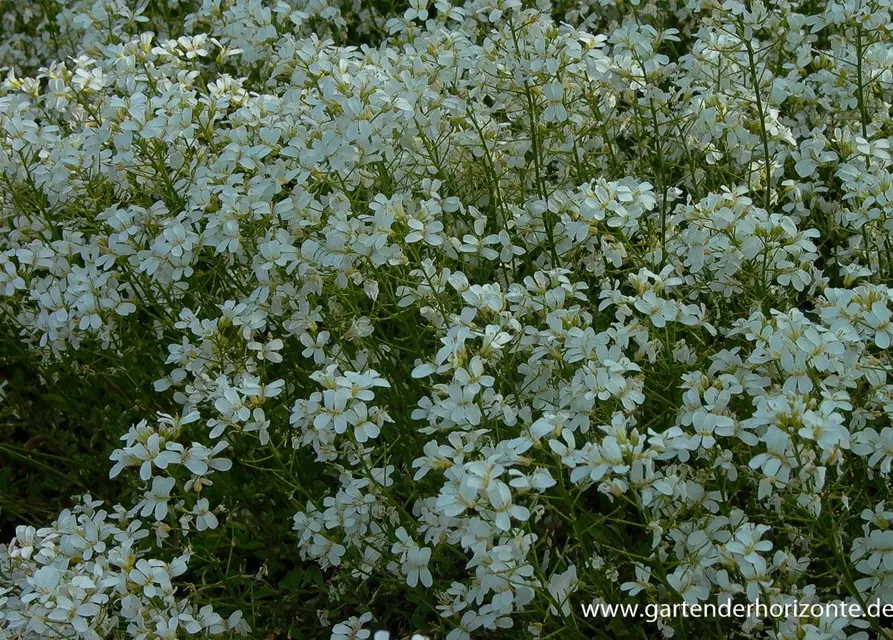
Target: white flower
x: 204, y: 518
x: 659, y: 311
x: 416, y: 567
x: 315, y: 346
x: 352, y: 628
x: 418, y: 9
x: 642, y: 582
x: 561, y: 587
x: 155, y: 500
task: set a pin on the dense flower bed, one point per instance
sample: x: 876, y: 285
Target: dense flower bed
x: 447, y: 318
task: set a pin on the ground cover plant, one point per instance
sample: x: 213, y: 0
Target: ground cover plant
x: 325, y: 319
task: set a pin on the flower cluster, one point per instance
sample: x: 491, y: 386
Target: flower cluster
x: 88, y: 574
